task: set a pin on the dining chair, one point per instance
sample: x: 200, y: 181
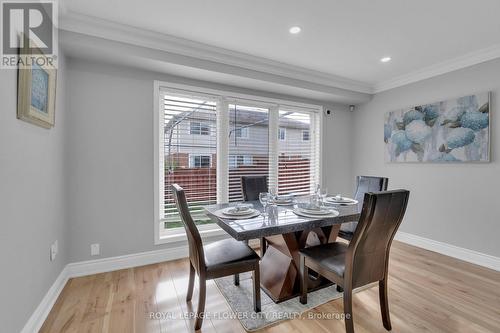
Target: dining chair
x: 364, y: 184
x: 365, y: 259
x: 214, y: 260
x: 251, y: 187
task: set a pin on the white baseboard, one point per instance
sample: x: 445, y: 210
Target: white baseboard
x: 96, y: 266
x: 461, y: 253
x: 38, y: 317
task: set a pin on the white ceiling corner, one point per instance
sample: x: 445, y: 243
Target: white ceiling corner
x: 334, y: 54
x: 467, y: 60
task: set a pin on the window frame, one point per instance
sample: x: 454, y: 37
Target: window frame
x: 308, y: 135
x: 200, y: 126
x: 223, y: 99
x: 243, y: 158
x: 242, y: 130
x: 279, y: 133
x: 201, y: 156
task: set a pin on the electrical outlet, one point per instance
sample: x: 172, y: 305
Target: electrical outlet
x: 95, y: 249
x: 54, y: 248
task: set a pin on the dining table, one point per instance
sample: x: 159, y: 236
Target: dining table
x: 285, y: 233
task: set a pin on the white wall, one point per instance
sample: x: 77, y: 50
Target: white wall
x: 337, y: 151
x: 32, y: 204
x: 451, y: 203
x: 110, y: 156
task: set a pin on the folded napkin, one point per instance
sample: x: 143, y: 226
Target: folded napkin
x: 242, y: 207
x: 283, y: 198
x: 309, y: 206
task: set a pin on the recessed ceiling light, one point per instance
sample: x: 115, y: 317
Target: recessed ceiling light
x: 385, y: 59
x: 295, y: 30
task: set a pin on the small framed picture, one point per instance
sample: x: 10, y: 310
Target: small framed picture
x: 36, y: 89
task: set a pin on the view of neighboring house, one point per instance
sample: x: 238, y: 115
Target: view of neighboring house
x: 193, y: 139
x: 191, y: 149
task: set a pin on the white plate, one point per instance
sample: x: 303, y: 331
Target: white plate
x: 342, y: 201
x: 283, y: 202
x: 314, y: 211
x: 221, y: 214
x: 236, y: 212
x: 332, y: 213
x: 231, y: 211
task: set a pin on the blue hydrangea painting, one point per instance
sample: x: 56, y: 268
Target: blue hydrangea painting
x: 456, y: 130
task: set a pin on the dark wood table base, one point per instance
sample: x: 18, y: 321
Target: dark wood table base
x: 279, y: 268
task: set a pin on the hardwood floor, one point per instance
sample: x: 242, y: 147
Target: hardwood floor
x: 428, y: 292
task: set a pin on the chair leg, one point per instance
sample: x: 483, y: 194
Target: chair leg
x: 192, y: 272
x: 236, y: 279
x: 384, y: 303
x: 263, y: 247
x: 304, y: 272
x: 349, y: 321
x: 256, y: 289
x: 201, y: 304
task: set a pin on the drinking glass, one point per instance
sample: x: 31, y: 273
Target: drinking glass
x: 264, y: 200
x: 273, y: 197
x: 323, y: 194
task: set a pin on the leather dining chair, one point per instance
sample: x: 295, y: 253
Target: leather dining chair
x: 215, y: 260
x: 364, y: 184
x: 251, y: 187
x: 365, y: 259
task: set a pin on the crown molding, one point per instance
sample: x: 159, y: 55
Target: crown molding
x: 88, y: 25
x: 96, y: 27
x: 467, y: 60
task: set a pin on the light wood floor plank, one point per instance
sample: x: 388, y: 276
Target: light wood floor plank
x: 70, y: 313
x: 146, y: 282
x: 428, y: 292
x: 96, y: 310
x: 168, y: 302
x: 122, y: 315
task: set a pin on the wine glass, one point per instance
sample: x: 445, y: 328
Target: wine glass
x: 323, y: 193
x: 264, y: 200
x: 273, y: 197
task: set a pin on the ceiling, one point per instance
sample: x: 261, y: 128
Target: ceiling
x: 342, y: 38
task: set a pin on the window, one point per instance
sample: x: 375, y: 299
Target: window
x: 298, y: 157
x: 200, y: 161
x: 236, y: 161
x: 282, y: 134
x: 248, y: 157
x: 198, y: 128
x: 207, y: 141
x: 241, y: 132
x: 187, y: 158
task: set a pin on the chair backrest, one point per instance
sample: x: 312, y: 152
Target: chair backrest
x: 196, y: 254
x: 365, y: 184
x: 251, y: 186
x: 368, y: 252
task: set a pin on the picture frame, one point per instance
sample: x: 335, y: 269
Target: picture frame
x: 36, y: 87
x: 455, y: 130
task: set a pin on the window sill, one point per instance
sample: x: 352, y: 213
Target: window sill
x: 179, y: 235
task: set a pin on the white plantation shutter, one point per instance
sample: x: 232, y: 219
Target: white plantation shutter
x: 248, y: 153
x: 298, y: 152
x: 190, y: 147
x: 207, y: 142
